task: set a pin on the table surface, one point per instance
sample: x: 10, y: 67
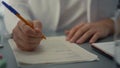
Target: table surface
x: 104, y: 61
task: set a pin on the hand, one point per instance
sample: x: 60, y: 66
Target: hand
x: 25, y: 37
x: 93, y: 31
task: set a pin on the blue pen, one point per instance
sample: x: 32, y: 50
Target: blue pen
x: 17, y: 14
x: 10, y: 8
x: 20, y: 17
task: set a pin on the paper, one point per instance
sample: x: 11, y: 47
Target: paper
x: 53, y: 50
x: 106, y: 47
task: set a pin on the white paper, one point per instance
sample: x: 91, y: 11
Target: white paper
x: 53, y: 50
x: 106, y: 47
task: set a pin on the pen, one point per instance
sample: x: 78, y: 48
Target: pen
x: 19, y: 16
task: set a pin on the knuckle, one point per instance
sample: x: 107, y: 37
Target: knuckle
x: 27, y: 39
x: 76, y: 27
x: 98, y: 34
x: 81, y: 31
x: 14, y: 30
x: 88, y: 25
x: 82, y: 23
x: 27, y: 31
x: 19, y: 23
x: 30, y: 41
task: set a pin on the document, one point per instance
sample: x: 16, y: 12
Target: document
x: 53, y: 50
x: 105, y: 47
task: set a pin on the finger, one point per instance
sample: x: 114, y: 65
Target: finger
x: 25, y: 48
x: 23, y: 45
x: 28, y: 31
x: 25, y: 28
x: 38, y: 31
x: 85, y: 37
x: 37, y: 34
x: 21, y: 25
x: 33, y: 40
x: 20, y: 47
x: 38, y: 27
x: 73, y: 31
x: 95, y: 37
x: 16, y: 39
x: 37, y: 24
x: 18, y: 33
x: 79, y: 33
x: 21, y: 36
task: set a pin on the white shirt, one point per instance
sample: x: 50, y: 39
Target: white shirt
x: 72, y: 12
x: 57, y: 15
x: 64, y: 14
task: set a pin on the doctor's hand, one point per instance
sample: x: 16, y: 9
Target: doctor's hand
x: 26, y: 38
x: 90, y: 31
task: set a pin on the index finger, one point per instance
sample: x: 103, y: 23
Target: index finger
x: 25, y: 28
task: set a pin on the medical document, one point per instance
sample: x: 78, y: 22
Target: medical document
x: 53, y: 50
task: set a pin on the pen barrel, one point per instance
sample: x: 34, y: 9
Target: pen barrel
x: 25, y: 21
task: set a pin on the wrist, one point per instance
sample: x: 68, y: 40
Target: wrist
x: 110, y: 25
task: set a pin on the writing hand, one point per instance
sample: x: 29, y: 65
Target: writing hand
x: 25, y: 37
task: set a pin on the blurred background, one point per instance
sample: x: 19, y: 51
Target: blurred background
x: 3, y: 31
x: 1, y: 8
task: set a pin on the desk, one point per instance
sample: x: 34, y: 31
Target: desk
x: 104, y: 62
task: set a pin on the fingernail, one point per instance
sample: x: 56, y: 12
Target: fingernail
x: 72, y: 41
x: 67, y: 38
x: 91, y: 42
x: 79, y: 42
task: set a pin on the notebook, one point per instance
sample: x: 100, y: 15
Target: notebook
x: 53, y: 50
x: 105, y: 47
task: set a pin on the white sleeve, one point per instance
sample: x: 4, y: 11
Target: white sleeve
x: 22, y: 6
x: 116, y: 19
x: 117, y: 13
